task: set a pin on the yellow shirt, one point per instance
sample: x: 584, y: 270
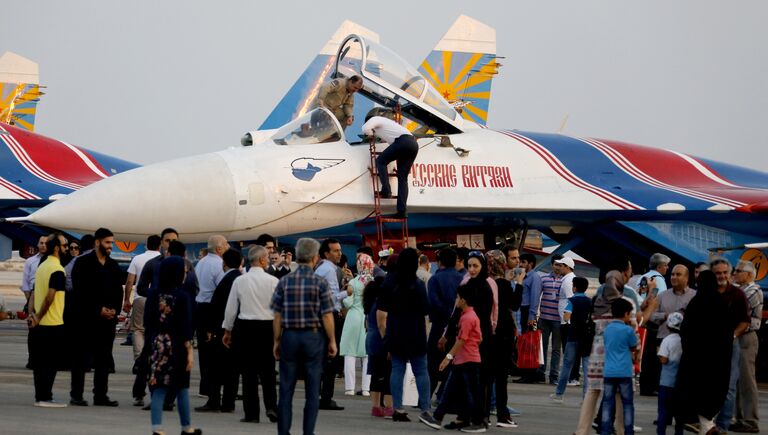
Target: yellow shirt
x: 55, y: 314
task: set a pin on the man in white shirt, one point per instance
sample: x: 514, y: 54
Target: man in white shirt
x: 658, y: 266
x: 209, y: 271
x: 424, y: 267
x: 402, y: 148
x: 132, y: 302
x: 566, y: 266
x: 30, y: 267
x: 248, y: 328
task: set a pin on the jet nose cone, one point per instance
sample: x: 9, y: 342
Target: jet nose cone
x: 193, y: 195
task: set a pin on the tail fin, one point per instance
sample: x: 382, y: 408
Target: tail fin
x: 301, y: 95
x: 462, y: 66
x: 19, y: 91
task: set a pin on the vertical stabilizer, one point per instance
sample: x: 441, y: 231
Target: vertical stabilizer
x: 462, y: 65
x: 19, y: 90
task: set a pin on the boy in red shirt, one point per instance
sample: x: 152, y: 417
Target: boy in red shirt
x: 463, y: 384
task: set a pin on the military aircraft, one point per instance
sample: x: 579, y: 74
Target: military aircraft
x: 36, y: 169
x: 469, y: 182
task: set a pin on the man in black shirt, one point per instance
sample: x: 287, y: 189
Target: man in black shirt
x: 97, y: 283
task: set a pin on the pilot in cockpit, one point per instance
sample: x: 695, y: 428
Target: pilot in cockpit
x: 338, y: 97
x: 403, y: 148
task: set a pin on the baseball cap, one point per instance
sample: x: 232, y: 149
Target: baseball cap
x: 385, y: 253
x: 674, y: 320
x: 568, y: 261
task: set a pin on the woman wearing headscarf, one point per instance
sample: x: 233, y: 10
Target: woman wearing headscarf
x: 352, y: 343
x: 403, y: 308
x: 168, y: 325
x: 379, y: 366
x: 705, y: 366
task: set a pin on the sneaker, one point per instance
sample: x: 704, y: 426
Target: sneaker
x: 514, y: 412
x: 349, y: 393
x: 377, y: 411
x: 456, y: 425
x: 506, y: 422
x: 388, y: 412
x: 556, y: 398
x: 493, y: 410
x: 475, y: 428
x: 272, y: 415
x: 637, y: 428
x: 400, y: 416
x: 78, y: 402
x: 366, y: 393
x: 430, y: 421
x: 50, y: 404
x: 139, y: 401
x: 574, y: 383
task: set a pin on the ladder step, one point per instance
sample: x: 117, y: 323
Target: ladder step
x: 388, y: 241
x: 389, y: 197
x: 391, y: 219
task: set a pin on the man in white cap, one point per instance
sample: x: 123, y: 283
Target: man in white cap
x: 565, y: 266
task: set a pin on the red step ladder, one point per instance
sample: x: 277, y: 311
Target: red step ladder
x: 387, y: 233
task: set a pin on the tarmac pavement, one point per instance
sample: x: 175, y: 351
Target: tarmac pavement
x: 19, y: 416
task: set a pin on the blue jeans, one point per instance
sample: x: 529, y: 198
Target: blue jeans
x: 551, y: 328
x: 463, y: 393
x: 610, y: 388
x: 182, y: 403
x: 300, y: 349
x: 723, y: 419
x: 668, y: 405
x: 569, y: 359
x: 419, y: 367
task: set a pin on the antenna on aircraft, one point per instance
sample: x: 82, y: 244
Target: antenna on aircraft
x: 562, y: 124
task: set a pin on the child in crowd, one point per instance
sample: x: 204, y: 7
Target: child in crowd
x: 670, y: 351
x: 463, y: 384
x: 577, y: 312
x: 620, y: 351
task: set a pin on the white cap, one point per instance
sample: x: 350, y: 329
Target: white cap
x: 384, y: 253
x: 675, y: 320
x: 568, y: 261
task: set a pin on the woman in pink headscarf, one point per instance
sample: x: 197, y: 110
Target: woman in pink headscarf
x: 352, y: 344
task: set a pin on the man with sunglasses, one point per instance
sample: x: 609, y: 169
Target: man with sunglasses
x: 46, y: 321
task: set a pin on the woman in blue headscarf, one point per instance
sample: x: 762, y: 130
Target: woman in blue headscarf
x: 168, y: 323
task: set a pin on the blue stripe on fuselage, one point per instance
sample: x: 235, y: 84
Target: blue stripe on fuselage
x: 738, y: 175
x: 595, y: 168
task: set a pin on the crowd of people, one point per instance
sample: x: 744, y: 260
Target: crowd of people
x: 307, y: 311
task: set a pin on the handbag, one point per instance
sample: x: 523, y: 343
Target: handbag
x: 530, y: 352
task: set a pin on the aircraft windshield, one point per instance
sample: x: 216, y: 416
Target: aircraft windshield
x: 390, y: 68
x: 389, y: 81
x: 317, y: 126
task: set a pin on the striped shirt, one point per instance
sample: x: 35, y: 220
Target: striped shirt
x: 301, y: 298
x: 550, y: 297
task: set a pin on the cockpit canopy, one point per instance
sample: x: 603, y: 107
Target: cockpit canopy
x: 314, y: 127
x: 389, y: 80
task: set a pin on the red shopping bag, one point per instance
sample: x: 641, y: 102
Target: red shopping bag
x: 530, y: 353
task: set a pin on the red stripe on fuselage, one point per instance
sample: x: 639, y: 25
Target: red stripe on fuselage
x: 561, y: 170
x: 669, y: 168
x: 51, y: 157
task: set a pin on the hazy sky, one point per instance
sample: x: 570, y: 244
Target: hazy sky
x: 151, y: 80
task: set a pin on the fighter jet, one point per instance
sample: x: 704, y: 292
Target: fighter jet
x: 311, y: 176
